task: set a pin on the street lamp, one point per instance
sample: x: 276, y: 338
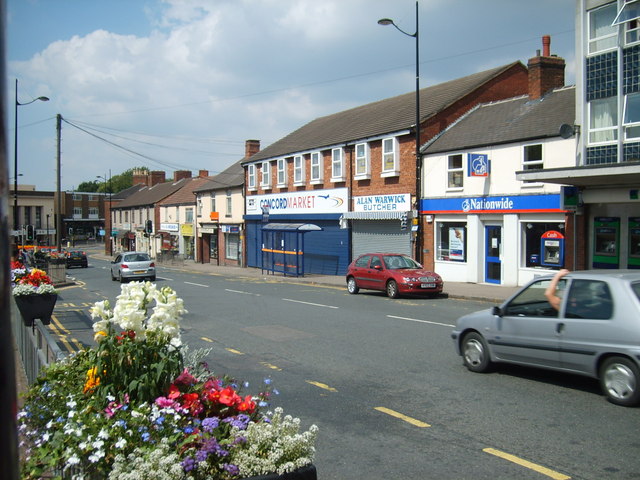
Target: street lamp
x: 416, y: 35
x: 15, y: 154
x: 107, y: 225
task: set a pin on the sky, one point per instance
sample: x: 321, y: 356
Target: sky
x: 182, y: 84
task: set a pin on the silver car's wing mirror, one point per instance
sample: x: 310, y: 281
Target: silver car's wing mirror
x: 496, y: 311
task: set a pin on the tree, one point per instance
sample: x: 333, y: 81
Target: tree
x: 116, y: 184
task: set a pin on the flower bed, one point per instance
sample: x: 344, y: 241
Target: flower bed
x: 140, y: 406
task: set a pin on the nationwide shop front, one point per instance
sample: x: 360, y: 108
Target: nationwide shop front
x: 503, y: 240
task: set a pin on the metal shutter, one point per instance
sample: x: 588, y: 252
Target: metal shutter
x: 379, y: 236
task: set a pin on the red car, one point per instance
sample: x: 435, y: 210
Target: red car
x: 393, y: 273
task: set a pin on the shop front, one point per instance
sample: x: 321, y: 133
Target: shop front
x: 326, y: 250
x: 207, y: 251
x: 505, y: 240
x: 188, y: 240
x: 380, y: 223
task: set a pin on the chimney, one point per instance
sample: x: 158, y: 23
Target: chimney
x: 181, y: 174
x: 156, y: 177
x: 546, y: 72
x: 251, y: 147
x: 139, y: 177
x: 203, y: 173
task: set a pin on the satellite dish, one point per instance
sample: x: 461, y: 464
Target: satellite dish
x: 567, y: 131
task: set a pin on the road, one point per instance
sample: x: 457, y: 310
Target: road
x: 381, y: 380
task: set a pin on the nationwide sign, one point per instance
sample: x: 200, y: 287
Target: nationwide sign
x: 501, y: 204
x: 306, y: 201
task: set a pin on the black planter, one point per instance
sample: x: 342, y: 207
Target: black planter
x: 304, y: 473
x: 36, y: 306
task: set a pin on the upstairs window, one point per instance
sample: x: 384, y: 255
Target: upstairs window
x: 603, y: 120
x: 229, y: 209
x: 188, y: 218
x: 265, y: 181
x: 602, y: 35
x: 213, y: 202
x: 251, y: 177
x: 390, y: 163
x: 282, y: 172
x: 317, y: 168
x: 363, y: 170
x: 532, y: 158
x: 298, y: 170
x: 337, y: 165
x: 455, y: 173
x: 632, y: 116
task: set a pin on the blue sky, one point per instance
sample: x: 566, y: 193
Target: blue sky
x: 181, y: 84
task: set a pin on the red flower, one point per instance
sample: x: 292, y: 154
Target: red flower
x: 247, y: 405
x: 229, y: 397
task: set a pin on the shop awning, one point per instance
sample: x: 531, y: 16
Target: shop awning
x: 373, y: 215
x: 295, y: 227
x: 608, y: 175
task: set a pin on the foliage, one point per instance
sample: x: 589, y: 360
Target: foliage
x: 137, y: 406
x: 115, y: 184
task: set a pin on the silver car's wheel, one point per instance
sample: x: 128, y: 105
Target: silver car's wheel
x: 620, y: 381
x: 392, y: 289
x: 352, y: 286
x: 475, y: 353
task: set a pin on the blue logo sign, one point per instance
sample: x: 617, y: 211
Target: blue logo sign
x: 478, y: 165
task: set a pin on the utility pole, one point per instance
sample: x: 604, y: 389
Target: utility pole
x: 58, y: 189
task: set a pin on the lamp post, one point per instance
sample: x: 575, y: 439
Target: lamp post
x: 107, y: 225
x: 15, y: 154
x: 47, y: 229
x: 416, y: 35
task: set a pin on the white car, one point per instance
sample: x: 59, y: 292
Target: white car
x: 133, y: 266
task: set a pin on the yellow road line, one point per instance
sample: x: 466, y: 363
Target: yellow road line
x: 524, y: 463
x: 237, y: 352
x: 321, y: 385
x: 206, y: 339
x: 271, y: 366
x: 401, y: 416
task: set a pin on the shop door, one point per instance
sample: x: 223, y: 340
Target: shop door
x: 493, y: 247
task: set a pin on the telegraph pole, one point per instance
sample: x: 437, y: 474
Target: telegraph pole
x: 58, y: 189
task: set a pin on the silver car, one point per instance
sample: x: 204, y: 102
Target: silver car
x: 133, y: 265
x: 596, y: 331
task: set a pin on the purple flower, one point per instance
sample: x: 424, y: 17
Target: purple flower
x: 208, y: 424
x: 231, y: 469
x: 188, y: 464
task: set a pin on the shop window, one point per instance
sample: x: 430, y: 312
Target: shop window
x: 602, y: 35
x: 232, y: 243
x: 455, y: 173
x: 317, y: 168
x: 451, y: 241
x: 363, y: 170
x: 603, y: 120
x: 251, y: 177
x: 531, y: 238
x: 298, y: 170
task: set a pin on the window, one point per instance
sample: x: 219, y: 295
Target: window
x: 177, y: 214
x: 282, y: 172
x: 632, y: 116
x: 93, y: 212
x: 455, y: 173
x: 531, y: 301
x: 126, y: 216
x: 363, y: 171
x: 199, y: 206
x: 602, y: 36
x: 589, y: 299
x: 229, y: 204
x: 390, y: 157
x: 265, y: 181
x: 317, y: 168
x: 213, y: 202
x: 298, y: 170
x: 77, y: 196
x: 251, y: 176
x: 337, y: 165
x: 188, y: 215
x: 363, y: 261
x: 451, y: 241
x: 531, y: 235
x: 603, y: 120
x: 632, y: 32
x: 532, y: 158
x: 77, y: 212
x: 231, y: 245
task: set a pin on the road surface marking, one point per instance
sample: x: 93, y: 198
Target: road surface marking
x: 241, y: 292
x: 197, y: 284
x: 401, y: 416
x: 420, y: 321
x: 321, y: 385
x: 271, y: 366
x: 237, y: 352
x: 524, y: 463
x: 308, y: 303
x: 206, y: 339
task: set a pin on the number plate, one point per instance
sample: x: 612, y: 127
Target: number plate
x: 428, y: 285
x: 139, y: 271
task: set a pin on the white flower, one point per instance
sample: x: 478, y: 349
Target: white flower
x: 121, y: 443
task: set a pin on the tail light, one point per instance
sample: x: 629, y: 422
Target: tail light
x: 153, y: 264
x: 124, y: 265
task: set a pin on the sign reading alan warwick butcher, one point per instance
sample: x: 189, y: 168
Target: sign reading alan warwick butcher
x: 308, y: 201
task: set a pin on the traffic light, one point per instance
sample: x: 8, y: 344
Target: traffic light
x: 148, y: 227
x: 30, y: 232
